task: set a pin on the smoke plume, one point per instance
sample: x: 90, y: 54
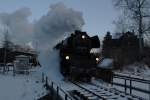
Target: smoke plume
x: 49, y: 29
x: 17, y: 24
x: 44, y: 33
x: 58, y: 21
x: 50, y: 65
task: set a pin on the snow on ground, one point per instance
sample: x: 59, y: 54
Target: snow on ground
x: 134, y: 84
x: 20, y: 87
x: 136, y: 69
x: 50, y: 66
x: 106, y: 63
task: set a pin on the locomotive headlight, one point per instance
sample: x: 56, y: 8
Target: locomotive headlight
x: 83, y: 36
x: 97, y: 59
x: 67, y: 57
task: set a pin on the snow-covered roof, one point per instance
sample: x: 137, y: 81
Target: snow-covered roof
x: 106, y: 63
x: 95, y: 50
x: 21, y: 56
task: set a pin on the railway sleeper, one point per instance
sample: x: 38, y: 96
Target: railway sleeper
x: 84, y: 95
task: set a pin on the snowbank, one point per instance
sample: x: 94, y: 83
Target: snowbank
x: 20, y: 87
x: 106, y: 63
x: 137, y: 69
x: 95, y: 50
x: 134, y: 84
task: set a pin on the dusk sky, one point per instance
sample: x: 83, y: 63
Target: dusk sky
x: 98, y: 14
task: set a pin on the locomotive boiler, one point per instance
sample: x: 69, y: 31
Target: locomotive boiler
x: 76, y: 61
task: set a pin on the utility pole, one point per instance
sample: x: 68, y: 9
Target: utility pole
x: 5, y: 46
x: 140, y: 39
x: 140, y: 30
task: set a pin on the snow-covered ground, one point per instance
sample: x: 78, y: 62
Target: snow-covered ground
x: 137, y: 70
x: 50, y: 66
x: 134, y: 84
x: 21, y: 87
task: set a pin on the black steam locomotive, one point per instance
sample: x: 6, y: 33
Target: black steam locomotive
x: 77, y: 63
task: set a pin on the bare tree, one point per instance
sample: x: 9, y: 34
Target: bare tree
x: 7, y: 46
x: 138, y: 11
x: 121, y: 25
x: 7, y: 42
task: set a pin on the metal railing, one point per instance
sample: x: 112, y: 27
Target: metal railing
x: 54, y: 88
x: 130, y: 85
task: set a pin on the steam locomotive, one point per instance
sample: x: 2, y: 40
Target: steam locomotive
x: 77, y: 63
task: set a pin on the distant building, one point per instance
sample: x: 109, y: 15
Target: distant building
x: 124, y: 50
x: 22, y: 64
x: 8, y: 55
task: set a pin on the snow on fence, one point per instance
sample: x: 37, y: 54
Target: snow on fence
x: 131, y: 85
x: 54, y: 88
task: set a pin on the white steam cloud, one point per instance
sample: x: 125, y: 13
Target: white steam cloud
x: 56, y: 23
x: 50, y: 27
x: 45, y: 32
x: 50, y: 65
x: 17, y: 24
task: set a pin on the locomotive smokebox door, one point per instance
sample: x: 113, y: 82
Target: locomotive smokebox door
x: 95, y: 42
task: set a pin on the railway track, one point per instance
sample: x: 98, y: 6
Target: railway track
x: 95, y: 92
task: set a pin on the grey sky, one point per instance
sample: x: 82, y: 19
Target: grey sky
x: 98, y: 14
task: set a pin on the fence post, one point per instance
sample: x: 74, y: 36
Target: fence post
x: 57, y: 91
x: 4, y: 68
x: 112, y: 79
x: 125, y: 88
x: 46, y: 81
x: 52, y: 90
x: 130, y: 86
x: 66, y: 96
x: 149, y: 90
x: 52, y: 85
x: 42, y: 77
x: 14, y: 72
